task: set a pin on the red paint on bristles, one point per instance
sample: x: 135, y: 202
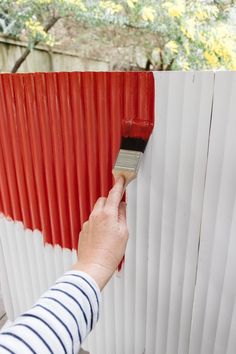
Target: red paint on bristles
x: 137, y: 128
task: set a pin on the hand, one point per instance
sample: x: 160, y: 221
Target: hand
x: 104, y: 236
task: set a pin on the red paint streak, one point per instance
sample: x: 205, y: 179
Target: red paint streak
x: 59, y: 137
x: 138, y: 119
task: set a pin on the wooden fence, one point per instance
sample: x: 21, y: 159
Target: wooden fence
x: 44, y: 59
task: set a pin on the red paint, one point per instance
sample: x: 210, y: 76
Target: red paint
x: 138, y: 119
x: 59, y: 137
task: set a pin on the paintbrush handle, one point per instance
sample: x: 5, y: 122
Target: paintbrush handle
x: 127, y: 175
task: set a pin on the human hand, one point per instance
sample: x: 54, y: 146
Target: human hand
x: 104, y: 236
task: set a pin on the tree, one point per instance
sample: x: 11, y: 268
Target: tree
x: 192, y: 34
x: 32, y: 20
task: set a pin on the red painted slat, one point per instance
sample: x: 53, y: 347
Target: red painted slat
x: 25, y: 172
x: 59, y: 137
x: 48, y: 200
x: 91, y: 135
x: 7, y: 132
x: 58, y: 159
x: 19, y: 143
x: 80, y: 152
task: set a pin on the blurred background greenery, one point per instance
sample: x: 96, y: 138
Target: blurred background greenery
x: 127, y: 34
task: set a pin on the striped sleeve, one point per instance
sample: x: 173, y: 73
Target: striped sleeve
x: 60, y: 320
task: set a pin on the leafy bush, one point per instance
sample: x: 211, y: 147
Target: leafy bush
x: 192, y: 34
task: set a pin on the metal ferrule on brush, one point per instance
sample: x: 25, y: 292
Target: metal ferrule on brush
x: 128, y: 161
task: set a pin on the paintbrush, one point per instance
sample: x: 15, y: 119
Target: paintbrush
x: 135, y: 135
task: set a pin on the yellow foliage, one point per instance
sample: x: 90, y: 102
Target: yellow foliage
x: 175, y: 9
x: 202, y: 38
x: 148, y: 13
x: 221, y: 43
x: 50, y: 41
x: 35, y: 28
x: 188, y: 29
x: 211, y: 59
x: 185, y: 66
x: 78, y: 3
x: 111, y: 6
x: 232, y: 63
x: 39, y: 2
x: 212, y: 10
x: 172, y: 46
x: 186, y: 48
x: 44, y: 2
x: 201, y: 15
x: 131, y: 3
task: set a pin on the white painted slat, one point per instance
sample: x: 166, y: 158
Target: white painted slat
x: 129, y: 271
x: 10, y: 259
x: 196, y: 112
x: 179, y: 156
x: 215, y: 288
x: 28, y: 267
x: 109, y: 320
x: 119, y: 302
x: 232, y: 337
x: 3, y: 320
x: 22, y: 265
x: 33, y: 256
x: 6, y: 295
x: 141, y: 237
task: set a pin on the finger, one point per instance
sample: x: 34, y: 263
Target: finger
x: 115, y: 194
x: 122, y: 212
x: 99, y: 204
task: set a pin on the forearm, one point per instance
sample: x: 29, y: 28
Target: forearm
x: 98, y: 272
x: 59, y: 321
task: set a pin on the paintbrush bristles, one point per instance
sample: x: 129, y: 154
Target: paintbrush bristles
x: 134, y: 144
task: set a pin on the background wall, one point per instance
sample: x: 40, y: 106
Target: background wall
x: 41, y: 59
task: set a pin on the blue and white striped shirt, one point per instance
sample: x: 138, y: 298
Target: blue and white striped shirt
x: 59, y: 321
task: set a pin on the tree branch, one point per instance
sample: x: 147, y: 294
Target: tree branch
x: 161, y: 61
x: 25, y: 54
x: 168, y: 67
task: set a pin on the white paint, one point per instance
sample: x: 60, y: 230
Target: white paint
x: 213, y: 326
x: 28, y: 267
x: 182, y: 196
x: 179, y: 157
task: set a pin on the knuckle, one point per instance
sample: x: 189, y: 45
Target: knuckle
x: 85, y: 225
x: 101, y: 199
x: 99, y: 215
